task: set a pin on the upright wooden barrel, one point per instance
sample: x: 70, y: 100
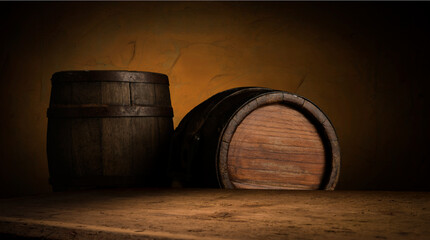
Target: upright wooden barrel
x: 256, y: 138
x: 108, y: 129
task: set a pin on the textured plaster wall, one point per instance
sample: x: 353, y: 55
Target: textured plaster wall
x: 365, y: 65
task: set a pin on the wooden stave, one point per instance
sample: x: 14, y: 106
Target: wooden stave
x: 97, y: 107
x: 187, y: 132
x: 63, y: 176
x: 195, y: 135
x: 211, y: 148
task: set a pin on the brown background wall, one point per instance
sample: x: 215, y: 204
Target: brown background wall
x: 365, y: 64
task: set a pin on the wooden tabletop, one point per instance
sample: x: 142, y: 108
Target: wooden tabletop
x: 217, y: 214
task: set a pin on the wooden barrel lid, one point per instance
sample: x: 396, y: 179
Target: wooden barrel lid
x: 279, y: 140
x: 110, y: 76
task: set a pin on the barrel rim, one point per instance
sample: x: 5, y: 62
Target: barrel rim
x: 109, y: 76
x: 301, y: 104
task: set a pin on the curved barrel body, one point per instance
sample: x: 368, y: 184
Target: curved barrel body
x: 108, y: 128
x: 256, y: 138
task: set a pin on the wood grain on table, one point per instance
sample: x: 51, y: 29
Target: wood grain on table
x: 217, y: 214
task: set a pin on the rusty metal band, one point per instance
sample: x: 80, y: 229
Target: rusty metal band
x: 110, y: 76
x: 110, y: 111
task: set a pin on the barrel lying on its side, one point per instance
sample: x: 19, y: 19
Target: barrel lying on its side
x: 108, y: 128
x: 256, y: 138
